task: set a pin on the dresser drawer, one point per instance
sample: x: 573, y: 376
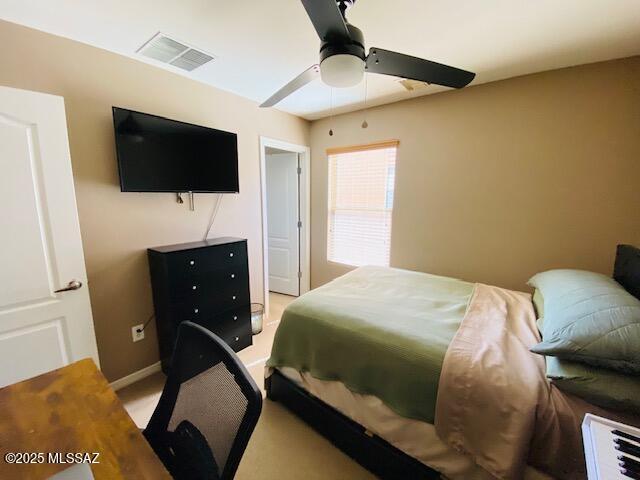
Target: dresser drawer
x: 234, y: 327
x: 215, y: 285
x: 209, y: 306
x: 239, y: 342
x: 212, y: 285
x: 203, y: 261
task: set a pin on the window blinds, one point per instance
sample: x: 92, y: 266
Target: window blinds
x: 361, y: 182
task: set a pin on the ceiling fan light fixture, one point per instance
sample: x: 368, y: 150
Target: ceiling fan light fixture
x: 342, y: 70
x: 343, y: 59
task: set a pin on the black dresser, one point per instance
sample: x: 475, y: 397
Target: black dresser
x: 203, y: 282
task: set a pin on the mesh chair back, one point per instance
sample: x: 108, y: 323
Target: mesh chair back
x: 207, y: 411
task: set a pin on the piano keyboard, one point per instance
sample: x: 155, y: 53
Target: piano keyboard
x: 612, y: 449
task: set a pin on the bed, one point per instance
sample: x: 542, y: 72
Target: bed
x: 360, y: 360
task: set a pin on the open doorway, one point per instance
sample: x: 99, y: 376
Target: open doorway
x: 285, y: 214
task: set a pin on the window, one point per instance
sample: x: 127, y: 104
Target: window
x: 361, y: 181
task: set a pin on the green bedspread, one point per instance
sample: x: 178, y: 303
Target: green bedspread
x: 380, y: 331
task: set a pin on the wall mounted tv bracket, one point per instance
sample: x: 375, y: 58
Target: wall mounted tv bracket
x: 191, y: 202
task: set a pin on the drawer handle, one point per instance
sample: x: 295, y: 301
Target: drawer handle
x: 235, y: 317
x: 231, y: 254
x: 195, y: 287
x: 192, y: 262
x: 234, y: 297
x: 195, y: 310
x: 236, y: 338
x: 233, y: 275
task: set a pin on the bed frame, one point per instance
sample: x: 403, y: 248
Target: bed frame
x: 371, y: 451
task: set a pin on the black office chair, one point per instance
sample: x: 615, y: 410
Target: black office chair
x: 207, y: 411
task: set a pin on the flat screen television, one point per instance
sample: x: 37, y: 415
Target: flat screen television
x: 156, y: 154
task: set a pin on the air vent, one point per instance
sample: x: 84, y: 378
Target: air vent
x: 167, y: 50
x: 411, y: 85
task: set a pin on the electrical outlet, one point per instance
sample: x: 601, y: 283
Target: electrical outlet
x: 137, y: 333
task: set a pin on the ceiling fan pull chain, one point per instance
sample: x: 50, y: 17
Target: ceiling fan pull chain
x: 331, y: 111
x: 364, y: 123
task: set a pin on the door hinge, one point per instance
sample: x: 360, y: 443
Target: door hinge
x: 299, y: 224
x: 299, y: 170
x: 299, y: 274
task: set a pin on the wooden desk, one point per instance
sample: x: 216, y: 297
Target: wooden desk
x: 72, y: 410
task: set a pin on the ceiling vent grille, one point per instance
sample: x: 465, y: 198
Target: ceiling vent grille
x: 167, y: 50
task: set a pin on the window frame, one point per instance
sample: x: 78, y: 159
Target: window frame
x: 353, y: 149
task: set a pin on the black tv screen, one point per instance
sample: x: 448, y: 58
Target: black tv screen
x: 156, y: 154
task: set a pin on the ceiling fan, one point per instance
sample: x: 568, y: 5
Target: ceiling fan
x: 343, y: 61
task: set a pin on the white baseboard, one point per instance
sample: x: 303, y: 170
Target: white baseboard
x: 135, y: 376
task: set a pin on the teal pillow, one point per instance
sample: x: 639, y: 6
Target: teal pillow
x: 598, y: 386
x: 590, y: 318
x: 538, y: 305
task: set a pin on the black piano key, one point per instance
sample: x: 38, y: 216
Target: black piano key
x: 630, y: 474
x: 620, y: 433
x: 627, y: 469
x: 630, y: 460
x: 626, y: 447
x: 629, y: 463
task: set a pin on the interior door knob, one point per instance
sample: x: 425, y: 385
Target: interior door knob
x: 72, y: 285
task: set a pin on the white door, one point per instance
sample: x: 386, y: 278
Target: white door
x: 282, y: 222
x: 40, y: 246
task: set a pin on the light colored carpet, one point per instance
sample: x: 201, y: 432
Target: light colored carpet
x: 282, y: 447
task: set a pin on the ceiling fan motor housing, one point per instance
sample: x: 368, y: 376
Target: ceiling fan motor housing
x: 340, y: 46
x: 342, y: 61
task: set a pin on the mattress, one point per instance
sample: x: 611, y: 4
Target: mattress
x: 379, y: 331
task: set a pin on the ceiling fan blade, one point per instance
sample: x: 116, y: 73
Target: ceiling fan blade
x: 300, y: 81
x: 406, y: 66
x: 327, y: 19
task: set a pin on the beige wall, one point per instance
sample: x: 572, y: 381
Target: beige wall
x: 493, y: 182
x: 118, y: 227
x: 499, y: 181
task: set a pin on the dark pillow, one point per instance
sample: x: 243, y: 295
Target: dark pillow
x: 627, y: 269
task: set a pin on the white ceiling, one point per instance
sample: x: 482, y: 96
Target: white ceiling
x: 262, y: 44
